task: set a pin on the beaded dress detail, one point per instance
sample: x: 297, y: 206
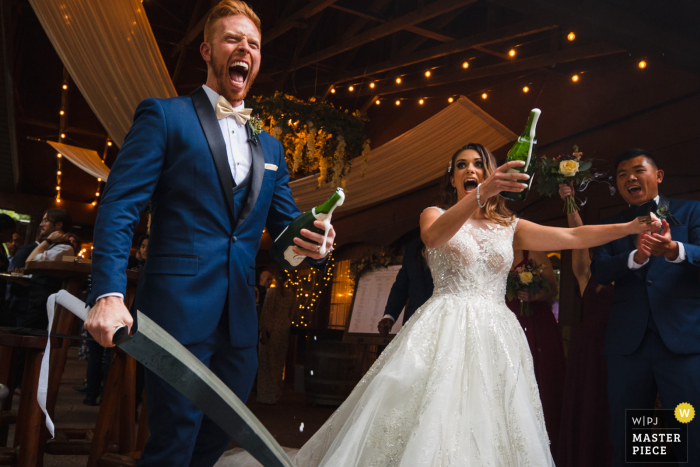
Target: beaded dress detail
x: 456, y: 387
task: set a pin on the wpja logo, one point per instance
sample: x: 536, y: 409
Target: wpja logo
x: 658, y: 435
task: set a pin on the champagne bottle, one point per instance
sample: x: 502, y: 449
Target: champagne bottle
x: 524, y: 150
x: 281, y: 250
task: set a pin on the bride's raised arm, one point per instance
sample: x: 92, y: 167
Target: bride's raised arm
x: 436, y: 229
x: 531, y: 236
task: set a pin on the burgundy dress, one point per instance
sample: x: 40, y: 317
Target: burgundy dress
x: 585, y: 426
x: 547, y: 350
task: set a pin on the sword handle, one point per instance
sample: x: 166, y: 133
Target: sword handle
x: 120, y: 335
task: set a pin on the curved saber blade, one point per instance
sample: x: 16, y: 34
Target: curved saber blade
x: 163, y: 355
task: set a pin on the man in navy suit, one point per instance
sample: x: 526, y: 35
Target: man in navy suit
x: 214, y: 184
x: 412, y: 288
x: 653, y: 336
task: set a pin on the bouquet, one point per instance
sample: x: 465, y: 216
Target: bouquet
x: 565, y: 169
x: 528, y: 278
x: 369, y: 262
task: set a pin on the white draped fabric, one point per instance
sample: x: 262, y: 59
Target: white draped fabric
x: 110, y: 52
x: 86, y: 159
x: 411, y: 160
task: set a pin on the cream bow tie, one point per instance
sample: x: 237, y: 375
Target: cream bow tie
x: 225, y: 109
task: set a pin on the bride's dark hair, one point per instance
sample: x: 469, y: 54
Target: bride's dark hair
x: 496, y: 210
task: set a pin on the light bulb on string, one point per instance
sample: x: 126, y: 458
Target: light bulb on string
x: 398, y: 80
x: 332, y: 90
x: 450, y: 100
x: 484, y: 96
x: 571, y: 36
x: 526, y: 89
x: 371, y: 85
x: 574, y: 78
x: 642, y: 64
x: 421, y: 102
x: 465, y: 65
x: 511, y: 53
x: 427, y: 74
x: 351, y: 88
x: 397, y: 103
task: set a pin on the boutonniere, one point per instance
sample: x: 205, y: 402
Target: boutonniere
x: 663, y: 212
x: 255, y: 124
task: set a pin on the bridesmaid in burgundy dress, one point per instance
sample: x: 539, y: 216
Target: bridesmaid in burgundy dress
x: 584, y: 437
x: 545, y: 342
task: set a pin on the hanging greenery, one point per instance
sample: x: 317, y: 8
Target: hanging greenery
x: 316, y: 136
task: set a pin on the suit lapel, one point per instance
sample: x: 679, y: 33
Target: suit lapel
x: 217, y: 146
x: 258, y: 168
x: 665, y: 202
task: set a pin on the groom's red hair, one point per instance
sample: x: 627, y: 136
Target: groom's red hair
x: 229, y: 8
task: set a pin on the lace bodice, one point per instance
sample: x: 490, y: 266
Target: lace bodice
x: 475, y: 262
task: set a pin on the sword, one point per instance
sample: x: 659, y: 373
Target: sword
x: 158, y: 351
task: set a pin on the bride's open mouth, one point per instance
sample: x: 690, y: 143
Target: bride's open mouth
x: 238, y: 73
x: 470, y: 185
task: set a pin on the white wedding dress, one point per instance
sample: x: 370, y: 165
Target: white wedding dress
x: 456, y: 387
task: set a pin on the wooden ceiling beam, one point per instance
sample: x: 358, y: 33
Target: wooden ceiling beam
x: 562, y: 56
x: 414, y: 29
x: 522, y: 29
x: 614, y: 25
x: 292, y: 21
x: 429, y: 11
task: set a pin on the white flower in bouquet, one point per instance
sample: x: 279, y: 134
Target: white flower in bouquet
x: 568, y: 168
x: 525, y: 277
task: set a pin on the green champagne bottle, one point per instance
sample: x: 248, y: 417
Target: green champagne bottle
x: 524, y: 150
x: 281, y: 250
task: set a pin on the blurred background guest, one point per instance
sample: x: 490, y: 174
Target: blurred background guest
x: 75, y: 242
x: 275, y: 323
x: 545, y: 342
x: 7, y: 237
x: 264, y: 284
x: 139, y: 259
x: 584, y: 437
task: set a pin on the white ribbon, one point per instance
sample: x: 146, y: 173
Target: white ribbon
x: 79, y: 309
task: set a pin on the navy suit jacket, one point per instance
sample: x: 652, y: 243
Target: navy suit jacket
x: 414, y: 284
x: 670, y: 292
x: 201, y: 253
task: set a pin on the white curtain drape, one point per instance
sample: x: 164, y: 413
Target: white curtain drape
x: 412, y: 159
x: 110, y: 52
x: 86, y: 159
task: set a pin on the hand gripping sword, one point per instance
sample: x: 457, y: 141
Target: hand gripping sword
x: 158, y: 351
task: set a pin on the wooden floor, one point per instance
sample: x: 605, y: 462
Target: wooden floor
x: 283, y: 420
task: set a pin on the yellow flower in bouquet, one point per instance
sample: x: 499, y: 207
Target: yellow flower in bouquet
x: 526, y: 277
x: 568, y: 168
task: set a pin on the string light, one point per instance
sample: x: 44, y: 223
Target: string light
x: 398, y: 80
x: 450, y: 100
x: 65, y: 86
x: 332, y: 90
x: 574, y: 78
x: 99, y: 180
x: 63, y: 135
x: 571, y: 36
x: 465, y: 65
x: 351, y: 88
x: 371, y: 85
x: 109, y: 143
x: 398, y: 102
x: 642, y: 64
x: 377, y: 102
x: 59, y: 155
x: 427, y: 74
x: 58, y: 173
x: 526, y: 89
x: 61, y: 112
x: 511, y: 53
x: 421, y: 101
x: 484, y: 96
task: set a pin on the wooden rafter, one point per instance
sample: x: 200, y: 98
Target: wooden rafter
x: 616, y: 26
x: 292, y: 21
x: 525, y: 28
x: 432, y: 10
x: 562, y: 56
x: 183, y: 50
x: 437, y: 24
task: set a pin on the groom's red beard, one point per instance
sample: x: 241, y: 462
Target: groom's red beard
x: 223, y: 81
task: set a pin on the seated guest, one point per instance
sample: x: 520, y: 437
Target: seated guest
x: 139, y: 259
x: 7, y: 229
x: 584, y: 435
x: 54, y: 226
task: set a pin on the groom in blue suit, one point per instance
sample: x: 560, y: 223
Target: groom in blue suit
x: 653, y: 336
x: 214, y: 182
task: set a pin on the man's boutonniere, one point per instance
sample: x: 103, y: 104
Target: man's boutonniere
x: 255, y: 124
x: 663, y: 212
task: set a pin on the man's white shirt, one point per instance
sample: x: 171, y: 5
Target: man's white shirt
x: 238, y: 151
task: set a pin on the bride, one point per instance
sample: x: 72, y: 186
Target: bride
x: 456, y: 387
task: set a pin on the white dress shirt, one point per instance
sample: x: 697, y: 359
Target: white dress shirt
x: 240, y: 155
x: 55, y: 253
x: 238, y: 151
x: 632, y: 264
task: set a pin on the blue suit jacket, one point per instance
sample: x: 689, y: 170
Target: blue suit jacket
x: 670, y: 292
x: 201, y: 249
x: 414, y: 284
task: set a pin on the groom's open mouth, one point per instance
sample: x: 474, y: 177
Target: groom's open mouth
x: 238, y: 72
x: 634, y: 190
x: 470, y: 185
